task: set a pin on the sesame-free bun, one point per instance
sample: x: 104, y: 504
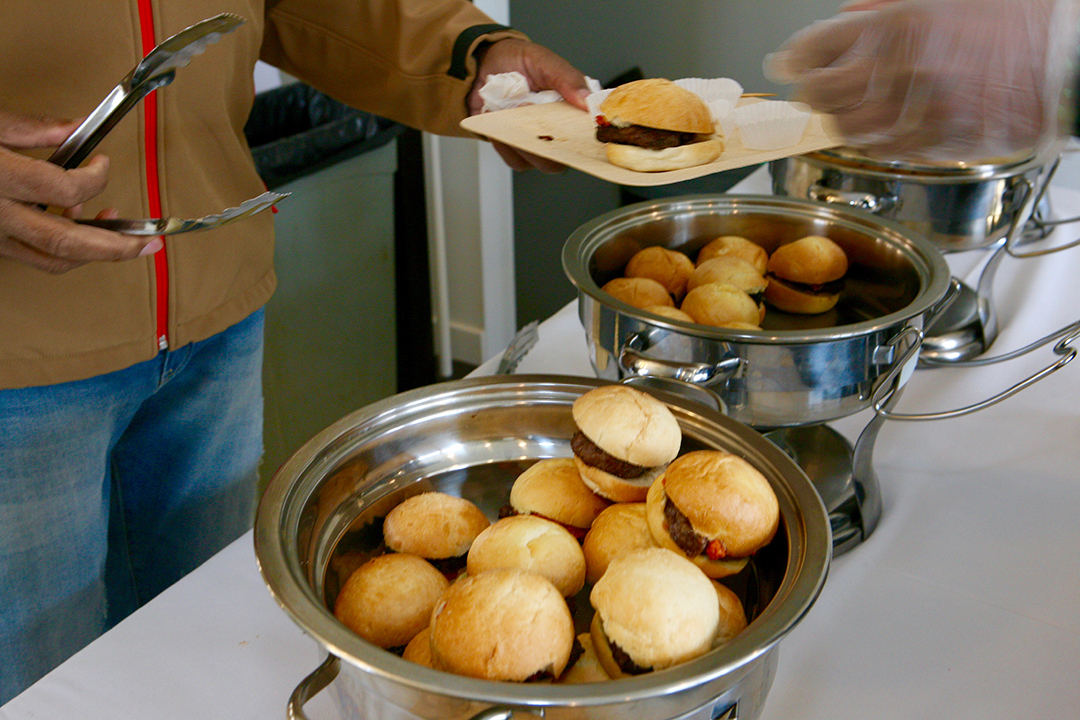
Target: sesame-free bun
x: 792, y: 299
x: 797, y: 268
x: 670, y: 313
x: 433, y: 525
x: 735, y: 246
x: 587, y: 667
x: 389, y: 599
x: 721, y: 305
x: 553, y: 488
x: 812, y: 260
x: 419, y: 649
x: 630, y: 426
x: 657, y: 607
x: 670, y: 268
x: 638, y: 292
x: 657, y: 103
x: 728, y: 270
x: 505, y: 625
x: 642, y: 159
x: 726, y: 500
x: 617, y: 530
x: 732, y: 614
x: 529, y: 542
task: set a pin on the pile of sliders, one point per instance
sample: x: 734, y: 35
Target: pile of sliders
x: 732, y: 280
x: 640, y: 532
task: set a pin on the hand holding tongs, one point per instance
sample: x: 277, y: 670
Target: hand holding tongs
x: 156, y: 70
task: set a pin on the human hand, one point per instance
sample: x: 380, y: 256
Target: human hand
x: 544, y: 70
x: 43, y: 240
x: 936, y: 80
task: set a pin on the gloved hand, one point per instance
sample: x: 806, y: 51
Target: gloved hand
x: 936, y: 80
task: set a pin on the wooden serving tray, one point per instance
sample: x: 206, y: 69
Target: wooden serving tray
x: 561, y: 132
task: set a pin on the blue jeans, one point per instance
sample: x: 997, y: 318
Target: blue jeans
x: 113, y: 488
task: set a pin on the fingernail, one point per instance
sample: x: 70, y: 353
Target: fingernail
x: 151, y: 247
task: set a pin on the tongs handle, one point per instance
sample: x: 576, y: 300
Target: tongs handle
x: 156, y: 70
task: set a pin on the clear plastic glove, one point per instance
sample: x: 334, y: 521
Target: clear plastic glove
x: 936, y: 80
x: 44, y: 240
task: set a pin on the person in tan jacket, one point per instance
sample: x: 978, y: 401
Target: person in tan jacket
x: 130, y: 368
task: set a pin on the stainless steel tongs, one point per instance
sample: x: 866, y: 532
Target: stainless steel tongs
x: 156, y: 70
x: 173, y: 226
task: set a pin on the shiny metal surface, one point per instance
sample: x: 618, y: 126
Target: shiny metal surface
x: 956, y: 207
x: 472, y: 437
x: 798, y: 370
x: 176, y: 226
x: 155, y: 70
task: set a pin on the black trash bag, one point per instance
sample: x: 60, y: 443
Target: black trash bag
x: 295, y: 130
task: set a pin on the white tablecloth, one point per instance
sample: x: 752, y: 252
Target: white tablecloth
x: 964, y: 604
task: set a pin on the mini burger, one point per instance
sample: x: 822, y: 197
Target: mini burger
x: 528, y: 542
x: 618, y: 530
x: 553, y: 489
x: 437, y: 527
x: 715, y: 509
x: 735, y: 246
x: 389, y: 599
x: 670, y: 268
x: 654, y: 125
x: 508, y: 625
x: 653, y: 610
x: 624, y: 440
x: 638, y: 292
x: 722, y: 305
x: 733, y: 271
x: 806, y: 276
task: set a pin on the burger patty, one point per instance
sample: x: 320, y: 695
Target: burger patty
x: 830, y: 288
x: 645, y: 137
x: 689, y: 541
x: 624, y: 661
x: 596, y: 457
x: 451, y: 567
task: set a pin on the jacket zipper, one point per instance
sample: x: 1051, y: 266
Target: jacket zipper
x: 161, y: 263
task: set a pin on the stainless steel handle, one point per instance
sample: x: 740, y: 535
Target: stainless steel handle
x: 634, y: 361
x: 1032, y: 197
x: 312, y: 685
x: 506, y: 713
x: 862, y: 200
x: 1063, y: 349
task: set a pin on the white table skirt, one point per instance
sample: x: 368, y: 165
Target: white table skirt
x: 963, y: 604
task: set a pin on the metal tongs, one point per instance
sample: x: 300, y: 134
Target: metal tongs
x: 156, y: 70
x: 173, y: 225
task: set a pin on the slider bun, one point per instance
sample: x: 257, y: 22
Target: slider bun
x: 529, y: 542
x: 502, y: 625
x: 629, y: 424
x: 419, y: 649
x: 615, y: 488
x: 790, y: 299
x: 638, y: 292
x: 642, y: 159
x: 657, y: 607
x: 732, y: 614
x: 433, y: 525
x: 617, y: 530
x: 670, y: 268
x: 553, y: 488
x: 721, y: 305
x: 389, y: 599
x: 587, y: 668
x: 725, y: 498
x: 735, y: 246
x: 657, y: 103
x: 812, y: 260
x: 654, y: 515
x: 671, y: 313
x: 728, y: 270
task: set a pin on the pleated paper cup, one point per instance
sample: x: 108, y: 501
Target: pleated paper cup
x: 771, y: 124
